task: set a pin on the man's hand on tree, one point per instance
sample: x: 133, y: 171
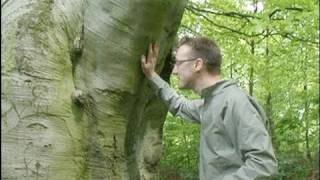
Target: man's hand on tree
x: 148, y: 63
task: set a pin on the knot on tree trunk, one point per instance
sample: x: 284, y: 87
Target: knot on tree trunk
x: 79, y: 98
x: 151, y: 151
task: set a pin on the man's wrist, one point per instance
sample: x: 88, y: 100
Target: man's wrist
x: 151, y: 75
x: 155, y: 81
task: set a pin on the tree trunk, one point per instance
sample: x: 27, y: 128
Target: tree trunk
x: 75, y: 104
x: 269, y: 97
x: 252, y: 51
x: 251, y: 70
x: 305, y: 118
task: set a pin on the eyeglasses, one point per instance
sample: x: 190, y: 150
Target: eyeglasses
x: 178, y: 62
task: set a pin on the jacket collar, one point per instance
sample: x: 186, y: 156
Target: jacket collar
x: 216, y: 88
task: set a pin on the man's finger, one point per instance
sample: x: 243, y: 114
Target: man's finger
x: 156, y: 48
x: 150, y: 52
x: 143, y: 59
x: 153, y: 46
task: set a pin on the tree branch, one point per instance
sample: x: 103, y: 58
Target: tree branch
x: 225, y: 27
x: 190, y: 30
x: 279, y: 10
x: 293, y: 38
x: 200, y: 12
x: 228, y: 14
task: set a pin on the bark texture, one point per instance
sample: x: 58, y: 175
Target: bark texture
x: 75, y: 104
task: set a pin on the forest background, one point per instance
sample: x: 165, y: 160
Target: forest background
x: 272, y: 49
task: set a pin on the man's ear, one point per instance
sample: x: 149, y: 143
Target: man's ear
x: 198, y: 65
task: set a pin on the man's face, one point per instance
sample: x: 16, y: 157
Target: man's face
x: 183, y: 68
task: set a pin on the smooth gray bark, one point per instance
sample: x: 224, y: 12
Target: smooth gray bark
x: 75, y: 104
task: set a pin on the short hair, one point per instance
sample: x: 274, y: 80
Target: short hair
x: 206, y: 49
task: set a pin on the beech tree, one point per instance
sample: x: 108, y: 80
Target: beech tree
x: 75, y: 104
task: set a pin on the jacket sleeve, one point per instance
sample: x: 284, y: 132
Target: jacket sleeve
x: 177, y: 105
x: 253, y: 141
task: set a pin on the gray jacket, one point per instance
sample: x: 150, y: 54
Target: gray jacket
x: 234, y: 142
